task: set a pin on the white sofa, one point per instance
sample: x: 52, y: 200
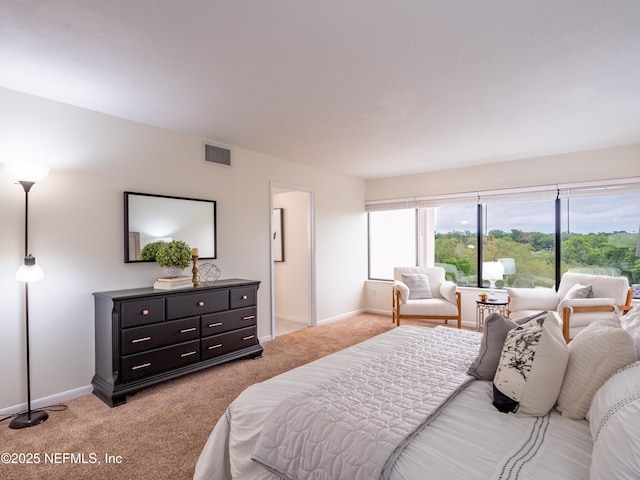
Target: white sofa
x: 444, y: 301
x: 608, y: 294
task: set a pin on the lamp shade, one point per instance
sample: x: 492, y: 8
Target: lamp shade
x: 509, y: 265
x: 26, y: 171
x: 492, y: 270
x: 29, y: 271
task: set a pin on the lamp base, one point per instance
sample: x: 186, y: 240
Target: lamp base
x: 492, y: 292
x: 25, y: 420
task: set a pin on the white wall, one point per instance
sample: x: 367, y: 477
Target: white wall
x: 291, y: 277
x: 76, y: 229
x: 619, y: 162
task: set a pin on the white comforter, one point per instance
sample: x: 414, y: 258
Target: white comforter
x: 470, y: 439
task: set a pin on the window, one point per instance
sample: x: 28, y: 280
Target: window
x: 456, y: 242
x: 596, y: 224
x: 392, y: 241
x: 600, y: 236
x: 521, y: 235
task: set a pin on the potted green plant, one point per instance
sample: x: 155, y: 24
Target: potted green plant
x: 483, y: 297
x: 173, y: 256
x: 150, y: 250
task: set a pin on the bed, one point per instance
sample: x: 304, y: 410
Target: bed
x: 466, y: 437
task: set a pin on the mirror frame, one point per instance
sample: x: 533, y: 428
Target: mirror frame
x: 126, y: 223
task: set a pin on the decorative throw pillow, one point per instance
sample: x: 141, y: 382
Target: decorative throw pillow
x: 595, y: 354
x: 496, y: 327
x: 579, y: 291
x: 614, y: 417
x: 418, y: 284
x: 532, y: 364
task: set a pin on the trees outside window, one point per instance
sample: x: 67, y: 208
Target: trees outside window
x: 599, y: 235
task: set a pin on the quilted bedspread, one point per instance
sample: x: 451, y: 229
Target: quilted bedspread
x: 356, y: 424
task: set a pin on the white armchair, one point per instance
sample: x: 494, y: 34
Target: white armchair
x: 423, y: 292
x: 573, y: 310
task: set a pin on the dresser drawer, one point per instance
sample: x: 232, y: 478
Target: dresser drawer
x: 228, y: 342
x: 158, y: 360
x: 142, y: 312
x: 243, y: 297
x: 138, y: 339
x: 215, y: 323
x: 199, y: 303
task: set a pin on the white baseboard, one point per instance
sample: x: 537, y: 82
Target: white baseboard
x: 340, y: 317
x: 48, y: 401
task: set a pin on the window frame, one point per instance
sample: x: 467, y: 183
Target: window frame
x: 425, y: 250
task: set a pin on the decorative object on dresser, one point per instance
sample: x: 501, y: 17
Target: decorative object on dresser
x: 173, y: 283
x: 27, y: 174
x: 194, y: 269
x: 208, y: 274
x: 173, y: 257
x: 145, y: 336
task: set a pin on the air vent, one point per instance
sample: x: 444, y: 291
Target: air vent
x: 217, y: 155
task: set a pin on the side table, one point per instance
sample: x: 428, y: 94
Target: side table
x: 487, y: 307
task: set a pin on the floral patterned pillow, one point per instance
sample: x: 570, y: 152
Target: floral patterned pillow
x: 532, y: 365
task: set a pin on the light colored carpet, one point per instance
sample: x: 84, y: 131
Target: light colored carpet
x: 160, y: 431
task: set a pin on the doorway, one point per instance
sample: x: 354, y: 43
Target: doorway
x: 292, y: 255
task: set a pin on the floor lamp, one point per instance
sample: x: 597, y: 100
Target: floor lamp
x: 27, y: 175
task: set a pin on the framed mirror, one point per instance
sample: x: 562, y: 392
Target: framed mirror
x: 149, y: 217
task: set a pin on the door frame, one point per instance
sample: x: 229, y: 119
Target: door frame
x: 311, y: 281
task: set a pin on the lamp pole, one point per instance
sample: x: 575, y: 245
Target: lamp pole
x: 29, y: 418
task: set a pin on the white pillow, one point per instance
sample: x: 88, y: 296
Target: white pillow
x: 418, y: 284
x: 532, y: 365
x: 614, y: 417
x: 595, y: 354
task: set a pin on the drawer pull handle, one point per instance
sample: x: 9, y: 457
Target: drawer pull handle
x: 188, y: 353
x: 144, y: 365
x: 145, y: 312
x: 201, y: 304
x: 244, y: 297
x: 215, y: 346
x: 188, y: 330
x: 249, y: 317
x: 249, y: 337
x: 211, y: 325
x: 138, y: 340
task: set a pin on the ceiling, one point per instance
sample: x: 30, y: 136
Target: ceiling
x: 370, y: 88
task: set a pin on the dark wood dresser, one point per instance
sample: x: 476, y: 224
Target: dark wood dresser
x: 145, y: 336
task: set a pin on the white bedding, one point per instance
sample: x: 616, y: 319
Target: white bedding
x: 470, y: 439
